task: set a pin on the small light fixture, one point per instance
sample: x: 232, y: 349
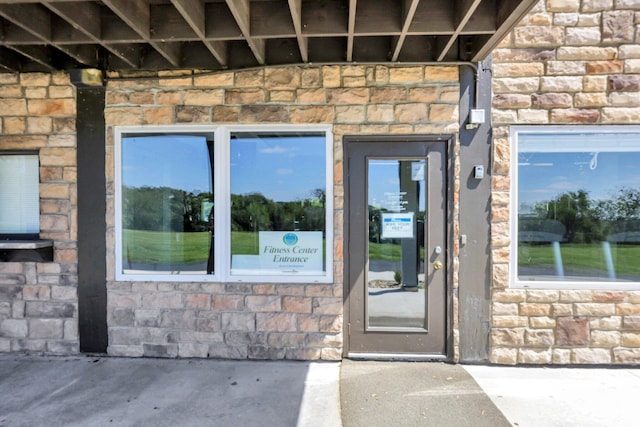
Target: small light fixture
x: 476, y: 118
x: 87, y: 77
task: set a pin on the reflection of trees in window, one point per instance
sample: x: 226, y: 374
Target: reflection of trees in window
x: 164, y: 209
x: 255, y: 212
x: 587, y: 220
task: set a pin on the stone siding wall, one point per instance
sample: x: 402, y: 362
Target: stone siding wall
x: 38, y: 301
x: 242, y: 320
x: 569, y: 62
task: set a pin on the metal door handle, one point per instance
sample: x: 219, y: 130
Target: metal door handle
x: 437, y: 265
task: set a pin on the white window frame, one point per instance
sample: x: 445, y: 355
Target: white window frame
x: 514, y: 134
x: 222, y: 208
x: 24, y: 207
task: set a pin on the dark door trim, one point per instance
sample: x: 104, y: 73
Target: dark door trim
x: 448, y: 139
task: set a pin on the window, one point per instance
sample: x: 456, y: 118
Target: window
x: 224, y: 203
x: 19, y: 195
x: 576, y: 207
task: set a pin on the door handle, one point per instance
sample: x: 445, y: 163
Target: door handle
x: 437, y: 265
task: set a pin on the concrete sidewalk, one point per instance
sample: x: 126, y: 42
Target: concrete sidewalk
x: 96, y: 391
x: 92, y: 391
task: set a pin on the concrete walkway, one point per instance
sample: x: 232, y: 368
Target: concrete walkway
x: 92, y: 391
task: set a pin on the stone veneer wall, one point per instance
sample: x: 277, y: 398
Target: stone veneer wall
x: 38, y: 301
x: 243, y: 320
x: 568, y: 62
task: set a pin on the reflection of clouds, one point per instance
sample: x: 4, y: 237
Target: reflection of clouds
x: 284, y: 171
x: 394, y: 181
x: 277, y: 149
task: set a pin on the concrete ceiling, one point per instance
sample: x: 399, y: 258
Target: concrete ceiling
x: 232, y: 34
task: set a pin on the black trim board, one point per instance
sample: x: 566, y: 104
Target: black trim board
x: 92, y: 270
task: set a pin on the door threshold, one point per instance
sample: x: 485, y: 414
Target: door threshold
x: 406, y: 357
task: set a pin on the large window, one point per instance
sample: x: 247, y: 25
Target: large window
x: 576, y: 207
x: 224, y: 203
x: 19, y: 194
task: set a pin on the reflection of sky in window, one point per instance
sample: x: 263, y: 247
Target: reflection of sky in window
x: 176, y: 161
x: 544, y: 176
x: 280, y: 168
x: 384, y: 183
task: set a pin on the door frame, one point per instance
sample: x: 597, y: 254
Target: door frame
x: 448, y: 140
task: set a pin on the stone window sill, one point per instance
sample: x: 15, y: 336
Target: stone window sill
x: 37, y: 250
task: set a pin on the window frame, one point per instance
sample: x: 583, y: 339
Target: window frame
x: 32, y: 234
x: 221, y: 169
x: 514, y: 134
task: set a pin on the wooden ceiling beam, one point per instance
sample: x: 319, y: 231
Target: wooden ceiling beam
x: 240, y: 9
x: 137, y: 15
x: 295, y: 6
x: 351, y: 29
x: 39, y: 54
x: 463, y: 12
x: 87, y: 19
x: 194, y: 14
x: 510, y: 12
x: 408, y: 12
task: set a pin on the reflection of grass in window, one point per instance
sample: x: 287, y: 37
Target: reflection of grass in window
x: 388, y: 251
x: 587, y: 258
x: 163, y: 248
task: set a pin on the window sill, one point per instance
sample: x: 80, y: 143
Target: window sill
x: 26, y: 250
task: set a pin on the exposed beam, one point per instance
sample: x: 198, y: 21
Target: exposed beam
x: 36, y: 20
x: 295, y: 6
x: 240, y: 9
x: 464, y: 11
x: 87, y: 20
x: 351, y: 29
x: 194, y: 14
x: 510, y: 12
x: 38, y: 54
x: 408, y: 11
x: 137, y: 15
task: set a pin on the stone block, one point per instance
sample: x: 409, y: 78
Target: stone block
x: 625, y: 356
x: 193, y: 349
x: 257, y: 113
x: 620, y: 115
x: 162, y: 300
x: 46, y: 328
x: 348, y: 96
x: 534, y: 356
x: 276, y: 322
x: 193, y: 114
x: 516, y: 85
x: 531, y: 116
x: 605, y: 338
x: 263, y: 303
x: 572, y: 331
x: 350, y: 114
x: 244, y: 96
x: 591, y: 356
x: 41, y: 309
x: 504, y: 356
x: 617, y: 26
x: 624, y: 99
x: 512, y: 337
x: 563, y: 68
x: 238, y: 321
x: 442, y: 113
x: 509, y: 295
x: 561, y: 356
x: 160, y: 350
x: 572, y: 53
x: 265, y: 353
x: 536, y: 36
x: 551, y: 100
x: 296, y: 304
x: 582, y: 36
x: 158, y: 115
x: 563, y: 5
x: 224, y: 79
x: 511, y: 100
x: 121, y: 317
x: 14, y: 328
x: 380, y: 113
x: 575, y: 115
x: 318, y: 114
x: 406, y: 75
x: 504, y: 309
x: 586, y: 100
x: 595, y: 309
x: 539, y: 337
x: 517, y: 69
x: 197, y: 301
x: 542, y: 322
x: 178, y: 319
x: 535, y: 309
x: 224, y: 114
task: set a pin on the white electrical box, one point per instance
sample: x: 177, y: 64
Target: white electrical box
x: 477, y: 116
x: 478, y: 171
